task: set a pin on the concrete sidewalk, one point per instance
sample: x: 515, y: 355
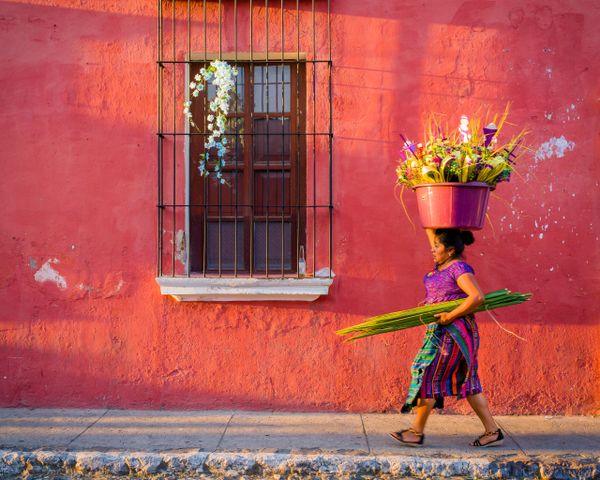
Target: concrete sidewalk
x: 235, y: 444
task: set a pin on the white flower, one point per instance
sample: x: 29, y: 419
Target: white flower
x: 221, y: 75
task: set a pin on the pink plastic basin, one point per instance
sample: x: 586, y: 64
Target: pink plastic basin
x: 453, y: 205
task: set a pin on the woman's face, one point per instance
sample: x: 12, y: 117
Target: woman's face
x: 440, y: 253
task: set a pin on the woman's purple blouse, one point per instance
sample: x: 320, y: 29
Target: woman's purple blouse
x: 441, y: 285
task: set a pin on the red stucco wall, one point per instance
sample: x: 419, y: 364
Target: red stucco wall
x: 78, y: 195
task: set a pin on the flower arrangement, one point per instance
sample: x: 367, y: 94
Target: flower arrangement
x: 221, y: 75
x: 468, y: 154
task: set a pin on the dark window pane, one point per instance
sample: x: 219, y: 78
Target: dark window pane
x: 275, y: 244
x: 234, y: 130
x: 272, y: 88
x: 269, y: 143
x: 237, y: 99
x: 227, y: 242
x: 225, y: 195
x: 271, y: 189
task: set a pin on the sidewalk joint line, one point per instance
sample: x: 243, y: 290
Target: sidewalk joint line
x: 365, y: 434
x: 224, y: 432
x: 89, y: 426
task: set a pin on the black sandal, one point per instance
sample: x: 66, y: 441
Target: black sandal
x: 494, y: 443
x: 398, y: 436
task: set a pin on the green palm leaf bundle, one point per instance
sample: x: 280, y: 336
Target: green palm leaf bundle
x: 424, y: 315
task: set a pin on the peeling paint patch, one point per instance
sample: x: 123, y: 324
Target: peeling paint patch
x: 32, y: 263
x: 87, y: 288
x: 554, y: 147
x: 49, y: 274
x: 105, y: 292
x: 180, y: 246
x: 117, y: 288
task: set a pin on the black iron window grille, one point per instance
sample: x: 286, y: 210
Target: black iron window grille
x: 273, y: 217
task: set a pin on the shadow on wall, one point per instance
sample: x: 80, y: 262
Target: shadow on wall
x: 70, y: 380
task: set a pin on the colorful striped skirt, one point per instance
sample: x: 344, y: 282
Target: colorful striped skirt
x: 446, y: 364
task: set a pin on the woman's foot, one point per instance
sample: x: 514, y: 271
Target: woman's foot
x: 409, y: 437
x: 489, y: 439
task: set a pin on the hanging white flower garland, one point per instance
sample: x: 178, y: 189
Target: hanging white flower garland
x: 222, y: 75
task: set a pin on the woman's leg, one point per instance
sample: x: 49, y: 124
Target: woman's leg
x: 480, y: 406
x: 423, y: 409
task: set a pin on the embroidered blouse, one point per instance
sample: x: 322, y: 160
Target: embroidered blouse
x: 441, y: 285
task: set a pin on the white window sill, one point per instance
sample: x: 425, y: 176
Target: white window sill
x: 191, y: 289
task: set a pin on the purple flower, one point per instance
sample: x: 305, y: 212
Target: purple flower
x: 489, y: 133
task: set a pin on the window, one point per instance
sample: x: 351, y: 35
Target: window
x: 243, y: 241
x: 255, y: 224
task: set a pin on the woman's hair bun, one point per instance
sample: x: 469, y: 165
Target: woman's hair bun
x: 467, y: 237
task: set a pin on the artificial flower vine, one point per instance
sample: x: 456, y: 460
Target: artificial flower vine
x: 221, y: 75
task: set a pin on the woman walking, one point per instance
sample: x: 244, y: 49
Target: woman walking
x: 446, y: 364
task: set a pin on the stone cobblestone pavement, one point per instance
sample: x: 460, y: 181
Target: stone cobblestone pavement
x: 79, y: 444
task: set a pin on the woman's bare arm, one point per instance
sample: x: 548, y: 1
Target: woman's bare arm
x: 430, y: 232
x: 475, y: 297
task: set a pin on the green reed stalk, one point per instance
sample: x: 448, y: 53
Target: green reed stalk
x: 425, y: 315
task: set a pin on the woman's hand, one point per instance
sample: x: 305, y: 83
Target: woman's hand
x: 475, y: 297
x: 444, y: 318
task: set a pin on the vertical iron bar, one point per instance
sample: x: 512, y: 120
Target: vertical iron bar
x: 219, y: 185
x: 298, y: 159
x: 188, y: 266
x: 330, y: 66
x: 205, y: 183
x: 174, y: 144
x: 282, y: 136
x: 159, y: 125
x: 314, y: 66
x: 250, y: 180
x: 204, y: 5
x: 267, y: 139
x: 237, y: 140
x: 220, y: 223
x: 189, y: 22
